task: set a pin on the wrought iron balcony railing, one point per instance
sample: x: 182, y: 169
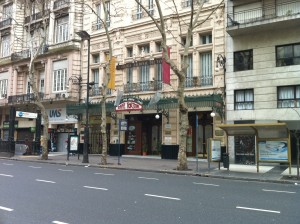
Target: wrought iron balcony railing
x: 143, y: 86
x: 191, y: 82
x: 5, y: 23
x: 26, y: 53
x: 266, y: 12
x: 24, y: 98
x: 35, y: 17
x: 97, y: 91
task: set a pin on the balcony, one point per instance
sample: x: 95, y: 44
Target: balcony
x: 97, y: 91
x: 26, y: 53
x: 5, y: 23
x: 143, y: 86
x: 270, y: 16
x: 23, y: 98
x: 61, y: 4
x: 191, y: 82
x: 35, y: 17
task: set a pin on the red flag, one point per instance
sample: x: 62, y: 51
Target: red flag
x: 166, y: 69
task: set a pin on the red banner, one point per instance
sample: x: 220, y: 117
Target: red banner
x: 166, y: 70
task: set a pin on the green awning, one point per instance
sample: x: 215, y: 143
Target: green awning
x: 213, y: 101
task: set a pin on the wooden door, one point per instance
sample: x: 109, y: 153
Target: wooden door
x: 133, y: 138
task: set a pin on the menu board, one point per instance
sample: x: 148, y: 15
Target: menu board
x: 131, y: 138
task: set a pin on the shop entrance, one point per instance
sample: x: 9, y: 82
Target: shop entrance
x: 144, y: 135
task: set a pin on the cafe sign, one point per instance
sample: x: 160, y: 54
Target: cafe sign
x: 130, y: 104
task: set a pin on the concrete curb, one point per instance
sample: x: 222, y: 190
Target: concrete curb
x: 174, y: 172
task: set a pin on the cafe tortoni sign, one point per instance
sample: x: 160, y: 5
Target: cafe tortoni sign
x: 130, y: 104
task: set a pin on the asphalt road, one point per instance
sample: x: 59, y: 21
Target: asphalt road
x: 34, y: 193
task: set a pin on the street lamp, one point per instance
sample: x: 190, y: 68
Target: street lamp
x: 85, y: 36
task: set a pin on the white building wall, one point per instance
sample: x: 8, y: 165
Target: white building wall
x: 265, y: 76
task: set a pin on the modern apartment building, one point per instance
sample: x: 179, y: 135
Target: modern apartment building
x: 263, y: 67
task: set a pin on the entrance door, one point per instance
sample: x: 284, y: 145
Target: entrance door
x: 133, y: 138
x: 62, y: 142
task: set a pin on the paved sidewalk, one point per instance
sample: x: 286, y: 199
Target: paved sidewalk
x: 268, y: 173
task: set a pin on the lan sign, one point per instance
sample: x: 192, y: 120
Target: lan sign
x: 129, y: 106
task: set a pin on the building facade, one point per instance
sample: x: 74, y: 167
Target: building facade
x: 137, y: 47
x: 62, y: 64
x: 27, y: 27
x: 263, y: 65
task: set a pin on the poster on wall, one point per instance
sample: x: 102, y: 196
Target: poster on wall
x: 215, y: 150
x: 73, y: 143
x: 273, y: 151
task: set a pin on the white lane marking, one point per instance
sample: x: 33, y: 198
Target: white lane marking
x: 8, y: 164
x: 260, y: 210
x: 45, y: 181
x: 147, y: 178
x: 215, y: 185
x: 105, y: 174
x: 6, y: 175
x: 288, y: 192
x: 97, y: 188
x: 35, y: 167
x: 6, y: 209
x: 66, y: 170
x: 159, y: 196
x: 58, y: 222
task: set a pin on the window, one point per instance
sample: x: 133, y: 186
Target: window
x: 62, y: 29
x: 189, y: 71
x: 188, y: 3
x: 28, y: 86
x: 206, y: 39
x: 206, y: 69
x: 42, y: 82
x: 288, y: 55
x: 288, y: 96
x: 243, y: 60
x: 107, y: 19
x: 144, y: 49
x: 96, y: 89
x: 158, y: 47
x: 59, y: 80
x: 129, y: 75
x: 98, y: 11
x: 5, y: 46
x: 158, y: 84
x: 96, y: 58
x: 183, y: 41
x: 243, y: 99
x: 7, y: 11
x: 3, y: 88
x: 150, y: 7
x: 139, y: 13
x: 144, y: 77
x: 129, y: 52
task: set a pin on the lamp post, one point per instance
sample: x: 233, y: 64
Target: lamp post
x: 85, y: 36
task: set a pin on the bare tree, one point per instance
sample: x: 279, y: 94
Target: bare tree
x: 36, y: 42
x: 190, y: 23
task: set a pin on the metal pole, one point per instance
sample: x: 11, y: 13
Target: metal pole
x: 298, y: 145
x: 196, y: 141
x: 119, y: 150
x: 86, y: 129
